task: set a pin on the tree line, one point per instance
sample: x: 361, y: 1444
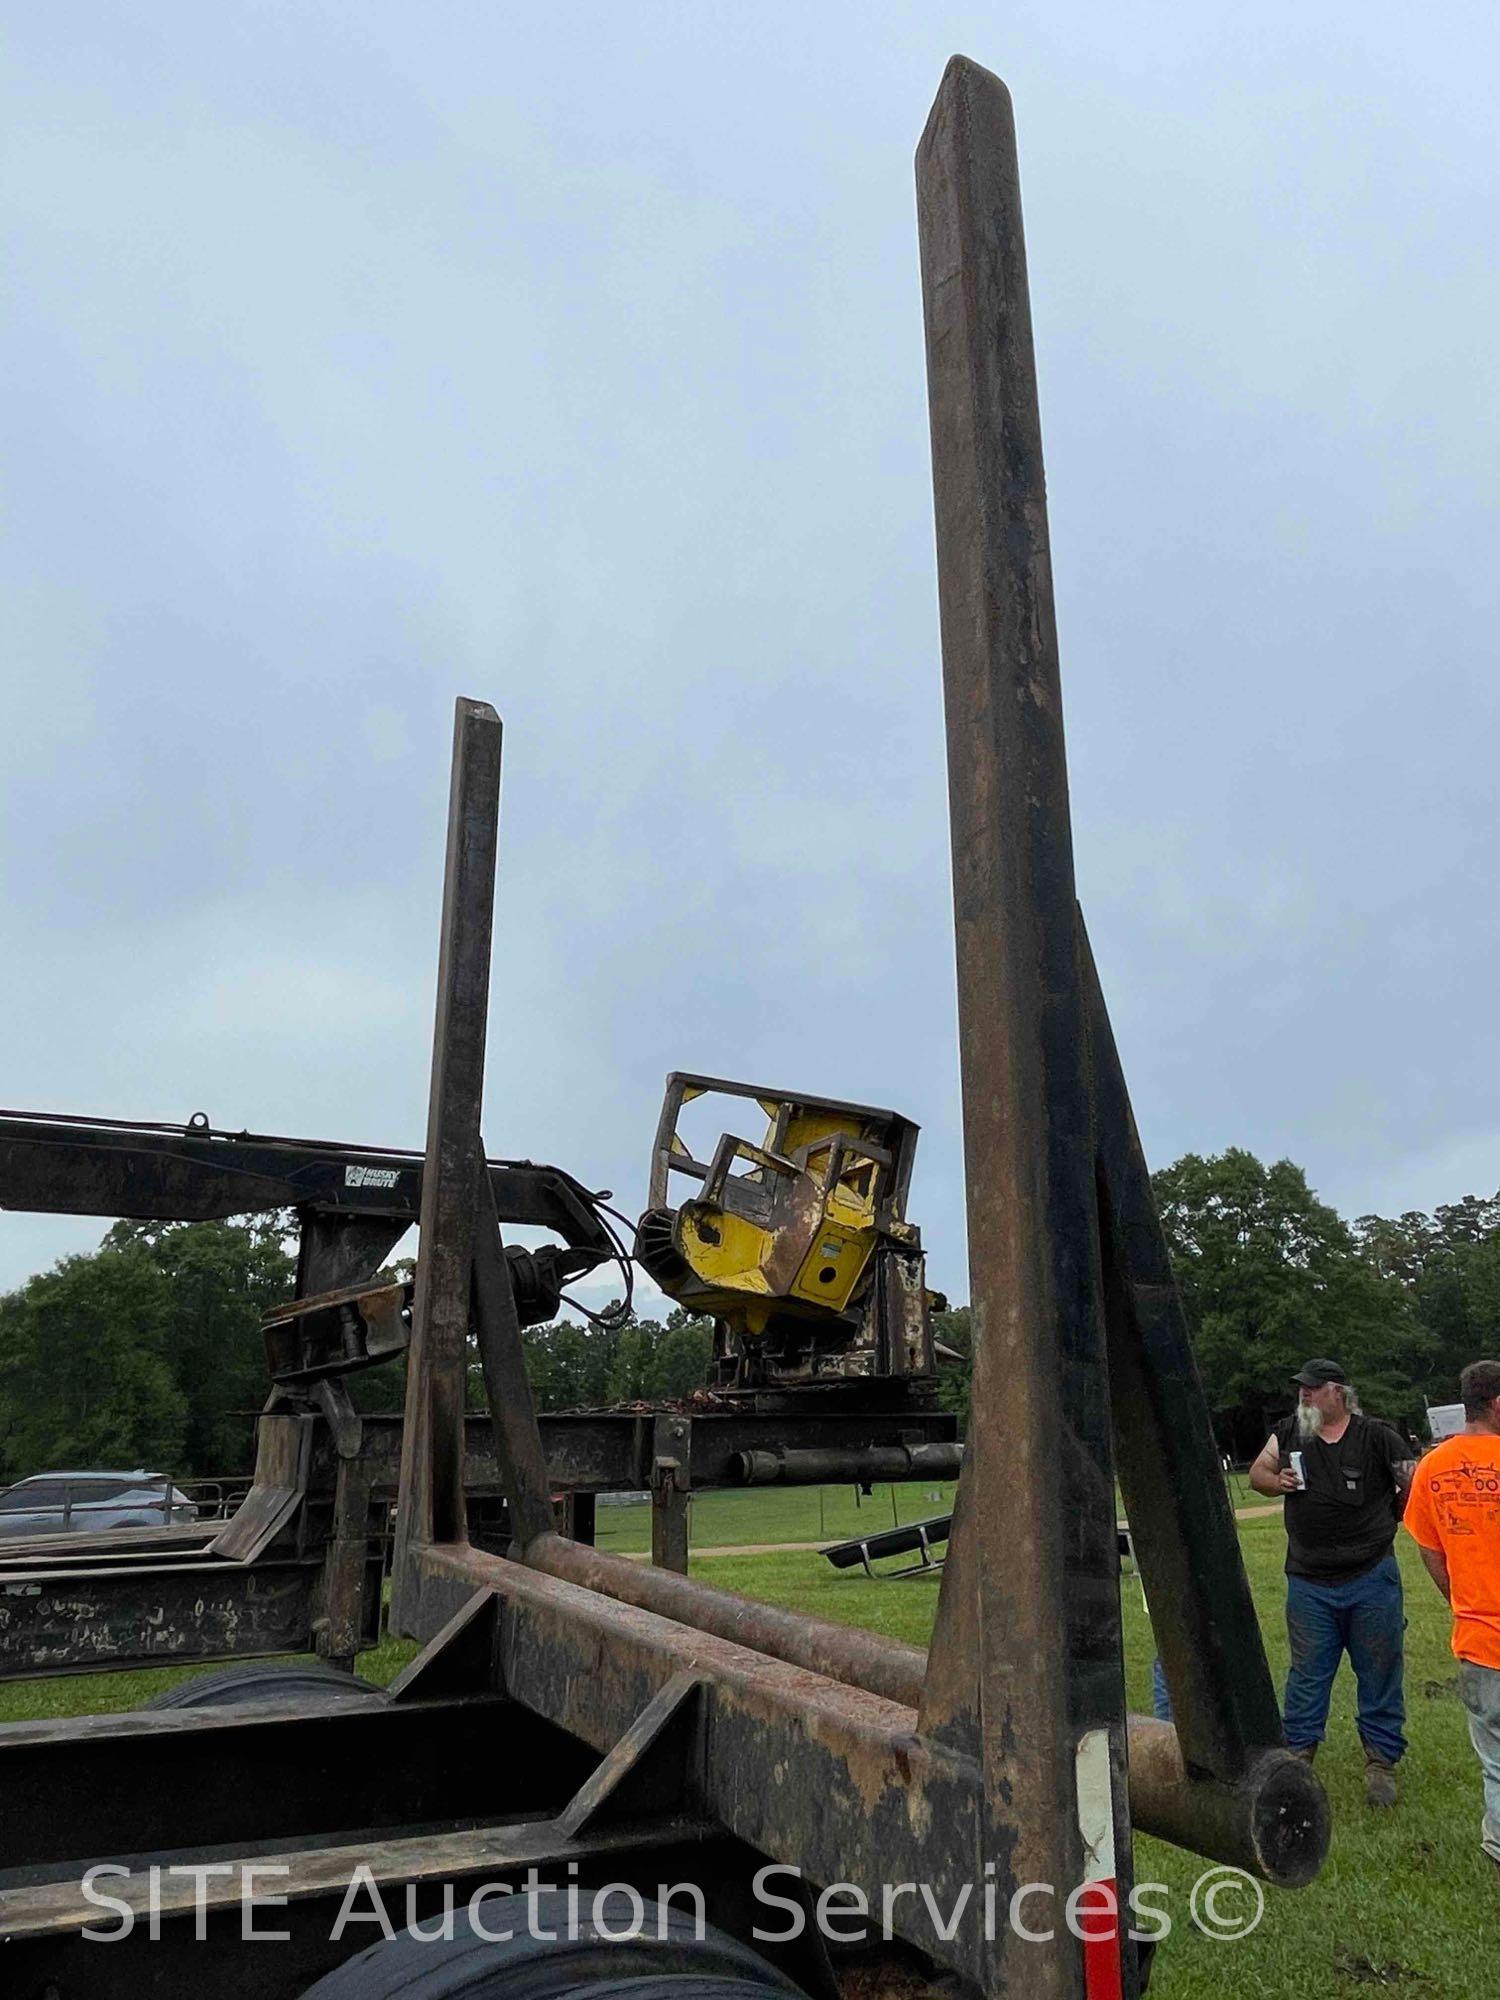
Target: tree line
x: 147, y: 1351
x: 1270, y: 1276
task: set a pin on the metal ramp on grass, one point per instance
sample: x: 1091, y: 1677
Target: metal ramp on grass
x: 921, y: 1538
x: 917, y: 1538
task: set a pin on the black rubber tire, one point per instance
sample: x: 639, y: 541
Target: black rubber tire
x: 259, y: 1680
x: 678, y: 1986
x: 669, y: 1961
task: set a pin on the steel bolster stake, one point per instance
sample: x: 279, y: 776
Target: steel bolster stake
x: 1025, y: 1672
x: 431, y: 1505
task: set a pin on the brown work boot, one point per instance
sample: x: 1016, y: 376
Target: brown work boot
x: 1306, y: 1751
x: 1380, y: 1781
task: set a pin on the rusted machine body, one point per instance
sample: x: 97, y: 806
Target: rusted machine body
x: 799, y: 1247
x: 575, y: 1709
x: 322, y: 1499
x: 298, y: 1567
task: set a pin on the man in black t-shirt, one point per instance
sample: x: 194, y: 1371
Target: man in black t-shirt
x: 1344, y: 1478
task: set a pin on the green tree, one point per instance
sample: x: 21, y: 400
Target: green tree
x: 85, y: 1374
x: 570, y: 1365
x: 954, y: 1329
x: 594, y: 1366
x: 681, y: 1356
x: 220, y: 1279
x: 146, y: 1351
x: 1269, y: 1276
x: 1449, y: 1265
x: 630, y: 1366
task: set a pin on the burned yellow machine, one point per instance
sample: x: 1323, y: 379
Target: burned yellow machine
x: 798, y: 1247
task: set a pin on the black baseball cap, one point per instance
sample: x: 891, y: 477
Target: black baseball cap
x: 1318, y: 1374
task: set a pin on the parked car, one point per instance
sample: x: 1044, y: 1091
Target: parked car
x: 54, y: 1503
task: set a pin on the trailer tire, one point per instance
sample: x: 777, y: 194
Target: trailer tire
x: 259, y: 1680
x: 668, y: 1960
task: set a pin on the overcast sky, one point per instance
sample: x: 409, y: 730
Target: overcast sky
x: 357, y: 356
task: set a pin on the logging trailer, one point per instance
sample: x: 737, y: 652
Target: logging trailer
x: 599, y: 1721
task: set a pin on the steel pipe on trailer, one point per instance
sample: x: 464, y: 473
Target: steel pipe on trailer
x: 840, y: 1652
x: 819, y: 1774
x: 833, y: 1466
x: 1272, y: 1821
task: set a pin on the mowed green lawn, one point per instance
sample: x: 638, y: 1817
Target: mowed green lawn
x: 762, y: 1515
x: 1407, y: 1906
x: 770, y: 1514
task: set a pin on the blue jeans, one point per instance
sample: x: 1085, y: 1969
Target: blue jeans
x: 1161, y: 1701
x: 1362, y: 1618
x: 1479, y: 1689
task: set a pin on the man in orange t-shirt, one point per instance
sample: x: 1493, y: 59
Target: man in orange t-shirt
x: 1454, y: 1514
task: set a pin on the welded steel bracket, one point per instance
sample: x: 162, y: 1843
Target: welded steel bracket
x: 654, y: 1768
x: 671, y: 1486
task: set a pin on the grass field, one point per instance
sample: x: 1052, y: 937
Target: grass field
x: 1408, y: 1905
x: 769, y: 1514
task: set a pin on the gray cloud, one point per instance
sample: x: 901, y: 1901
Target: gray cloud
x: 357, y: 359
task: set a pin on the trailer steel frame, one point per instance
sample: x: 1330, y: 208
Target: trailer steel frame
x: 729, y: 1733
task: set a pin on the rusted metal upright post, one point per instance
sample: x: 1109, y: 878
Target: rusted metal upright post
x: 1025, y: 1671
x: 431, y: 1504
x: 1202, y: 1614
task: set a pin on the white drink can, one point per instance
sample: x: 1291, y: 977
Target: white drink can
x: 1294, y: 1459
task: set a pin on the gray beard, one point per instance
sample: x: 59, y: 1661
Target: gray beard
x: 1309, y: 1422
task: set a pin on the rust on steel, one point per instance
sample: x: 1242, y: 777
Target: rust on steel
x: 841, y: 1652
x: 1202, y: 1615
x: 1273, y: 1821
x: 432, y: 1500
x: 1025, y: 1662
x: 807, y: 1770
x: 851, y: 1756
x: 497, y: 1330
